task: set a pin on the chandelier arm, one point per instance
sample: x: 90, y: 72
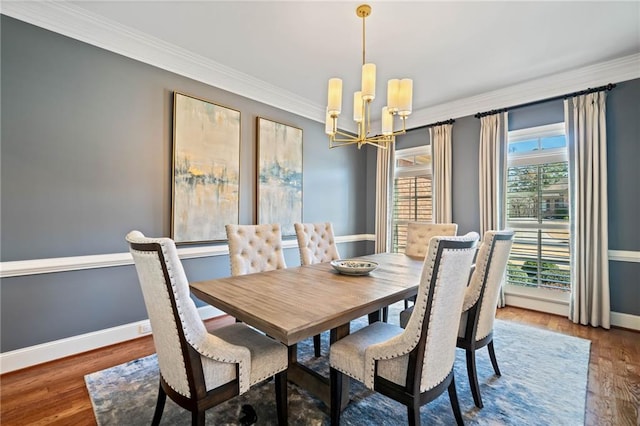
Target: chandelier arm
x: 349, y: 136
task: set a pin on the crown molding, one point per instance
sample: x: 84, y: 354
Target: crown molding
x: 72, y: 21
x: 614, y: 71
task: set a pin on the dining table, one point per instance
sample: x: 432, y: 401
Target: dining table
x: 296, y: 303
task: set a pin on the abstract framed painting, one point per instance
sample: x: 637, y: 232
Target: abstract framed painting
x: 279, y: 174
x: 206, y: 169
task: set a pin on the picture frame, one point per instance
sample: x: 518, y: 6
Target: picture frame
x: 279, y: 174
x: 206, y: 169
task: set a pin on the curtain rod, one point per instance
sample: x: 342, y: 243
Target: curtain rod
x: 569, y: 95
x: 439, y: 123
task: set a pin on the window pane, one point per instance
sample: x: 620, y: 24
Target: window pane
x: 540, y: 258
x: 555, y: 191
x: 405, y: 162
x: 553, y: 142
x: 412, y: 201
x: 422, y: 159
x: 522, y: 193
x: 537, y: 203
x: 523, y: 146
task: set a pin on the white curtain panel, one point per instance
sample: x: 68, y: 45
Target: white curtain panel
x: 493, y: 141
x: 441, y: 145
x: 585, y: 116
x: 384, y: 193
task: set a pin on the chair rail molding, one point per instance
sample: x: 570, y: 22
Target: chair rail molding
x: 38, y: 354
x: 624, y: 256
x: 20, y: 268
x: 72, y: 21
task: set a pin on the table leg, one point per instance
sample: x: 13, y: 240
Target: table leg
x: 314, y: 382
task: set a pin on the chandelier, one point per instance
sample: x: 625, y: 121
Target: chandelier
x: 399, y: 100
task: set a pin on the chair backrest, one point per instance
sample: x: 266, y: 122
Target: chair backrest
x: 419, y: 234
x: 255, y: 248
x: 485, y: 282
x: 173, y: 315
x: 316, y: 242
x: 436, y: 314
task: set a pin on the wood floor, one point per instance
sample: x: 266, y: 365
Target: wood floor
x: 55, y: 393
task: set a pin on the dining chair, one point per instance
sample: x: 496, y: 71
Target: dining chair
x: 199, y: 369
x: 481, y: 301
x: 418, y: 236
x: 255, y: 248
x: 316, y: 244
x: 413, y: 365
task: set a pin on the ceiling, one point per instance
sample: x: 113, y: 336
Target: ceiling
x: 451, y: 49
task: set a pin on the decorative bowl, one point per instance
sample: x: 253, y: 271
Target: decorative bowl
x: 354, y: 266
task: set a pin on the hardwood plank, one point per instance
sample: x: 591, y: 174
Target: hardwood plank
x: 55, y: 393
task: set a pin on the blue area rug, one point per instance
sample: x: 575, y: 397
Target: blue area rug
x: 544, y: 382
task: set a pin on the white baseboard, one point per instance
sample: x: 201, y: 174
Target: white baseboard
x: 618, y: 319
x: 50, y: 351
x: 631, y: 322
x: 38, y: 354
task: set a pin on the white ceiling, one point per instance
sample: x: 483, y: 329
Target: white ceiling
x: 452, y: 49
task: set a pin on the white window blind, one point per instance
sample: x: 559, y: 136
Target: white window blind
x: 412, y: 194
x: 538, y: 207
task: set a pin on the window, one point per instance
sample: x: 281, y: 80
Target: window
x: 538, y: 208
x: 411, y: 192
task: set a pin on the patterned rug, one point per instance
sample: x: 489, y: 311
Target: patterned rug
x: 544, y: 381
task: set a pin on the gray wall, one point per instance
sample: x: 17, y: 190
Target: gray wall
x: 623, y: 142
x: 86, y: 157
x: 623, y: 174
x: 86, y: 143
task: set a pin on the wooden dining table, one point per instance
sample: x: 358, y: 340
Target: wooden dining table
x: 296, y: 303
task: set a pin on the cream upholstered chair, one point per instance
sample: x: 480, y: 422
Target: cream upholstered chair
x: 481, y: 301
x: 414, y: 365
x: 255, y: 248
x: 418, y: 236
x: 199, y: 369
x: 317, y: 244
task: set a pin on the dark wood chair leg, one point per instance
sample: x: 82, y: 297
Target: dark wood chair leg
x: 197, y: 418
x: 494, y: 361
x: 413, y: 414
x: 282, y: 402
x: 453, y: 396
x: 316, y: 345
x: 385, y: 314
x: 335, y: 378
x: 157, y: 415
x: 473, y: 377
x: 406, y: 303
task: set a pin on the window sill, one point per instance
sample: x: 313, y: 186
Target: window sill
x: 538, y: 299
